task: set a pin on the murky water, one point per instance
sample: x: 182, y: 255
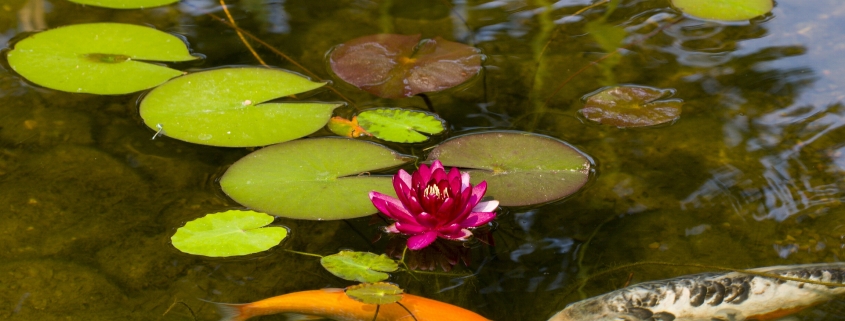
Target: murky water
x: 750, y: 175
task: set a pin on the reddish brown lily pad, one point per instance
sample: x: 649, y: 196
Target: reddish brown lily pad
x: 395, y: 66
x: 632, y: 106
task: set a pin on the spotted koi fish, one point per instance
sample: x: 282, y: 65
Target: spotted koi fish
x: 728, y: 296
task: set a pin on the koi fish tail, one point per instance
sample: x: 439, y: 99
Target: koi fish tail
x: 231, y: 312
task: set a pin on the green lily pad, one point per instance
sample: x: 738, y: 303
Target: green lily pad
x: 359, y: 266
x: 400, y: 125
x: 226, y: 107
x: 724, y: 10
x: 316, y: 179
x: 632, y: 106
x: 125, y: 4
x: 98, y: 58
x: 520, y: 168
x: 228, y: 233
x: 375, y: 293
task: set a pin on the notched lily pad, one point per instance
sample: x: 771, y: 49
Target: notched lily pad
x: 724, y: 10
x: 125, y: 4
x: 315, y: 179
x: 228, y: 233
x: 520, y: 168
x: 400, y: 125
x: 395, y: 66
x: 228, y: 107
x: 632, y: 106
x: 375, y: 293
x: 359, y: 266
x: 98, y: 58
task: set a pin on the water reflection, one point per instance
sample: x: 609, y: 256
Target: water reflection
x: 750, y: 175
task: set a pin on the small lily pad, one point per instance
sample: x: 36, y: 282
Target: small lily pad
x: 724, y: 10
x: 632, y: 106
x: 228, y: 233
x: 396, y: 66
x: 520, y: 168
x: 227, y: 107
x: 359, y: 266
x: 98, y: 58
x: 400, y: 125
x: 316, y: 179
x: 375, y: 293
x: 125, y: 4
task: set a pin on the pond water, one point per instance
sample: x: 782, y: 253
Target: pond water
x: 748, y: 176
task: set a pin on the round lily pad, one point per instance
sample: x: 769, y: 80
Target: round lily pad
x: 316, y: 179
x: 724, y: 10
x: 400, y: 125
x: 98, y: 58
x: 395, y: 66
x: 632, y: 106
x: 228, y: 233
x: 227, y: 107
x: 520, y: 168
x: 375, y: 293
x: 125, y: 4
x: 359, y: 266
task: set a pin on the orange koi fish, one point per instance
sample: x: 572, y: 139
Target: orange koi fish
x: 731, y: 296
x: 334, y: 304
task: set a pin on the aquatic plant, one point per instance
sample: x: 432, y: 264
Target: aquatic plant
x: 435, y: 204
x: 396, y: 66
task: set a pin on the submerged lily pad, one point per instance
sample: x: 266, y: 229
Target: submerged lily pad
x: 725, y: 10
x: 98, y: 58
x: 375, y: 293
x: 228, y: 233
x: 359, y: 266
x: 125, y: 4
x: 400, y: 125
x: 395, y: 66
x: 520, y: 168
x: 226, y: 107
x: 632, y: 106
x: 315, y: 179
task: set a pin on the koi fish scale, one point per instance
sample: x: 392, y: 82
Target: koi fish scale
x: 731, y: 296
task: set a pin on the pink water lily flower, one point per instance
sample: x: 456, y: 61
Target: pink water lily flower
x: 433, y: 203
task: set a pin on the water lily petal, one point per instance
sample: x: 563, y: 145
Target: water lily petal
x: 476, y: 219
x: 457, y: 235
x: 420, y: 241
x: 421, y: 176
x: 410, y: 229
x: 391, y: 229
x: 380, y: 201
x: 427, y: 219
x: 488, y: 206
x: 465, y: 181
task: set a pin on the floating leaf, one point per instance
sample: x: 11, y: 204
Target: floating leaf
x: 375, y: 293
x: 346, y: 128
x: 632, y: 106
x: 400, y: 125
x: 395, y: 66
x: 725, y: 10
x: 226, y: 107
x: 315, y: 179
x: 98, y: 58
x: 520, y: 168
x: 359, y: 266
x: 228, y: 233
x: 125, y: 4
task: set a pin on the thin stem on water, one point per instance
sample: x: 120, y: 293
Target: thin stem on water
x: 304, y: 253
x: 240, y: 35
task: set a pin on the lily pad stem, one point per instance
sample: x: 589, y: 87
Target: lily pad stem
x: 304, y: 253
